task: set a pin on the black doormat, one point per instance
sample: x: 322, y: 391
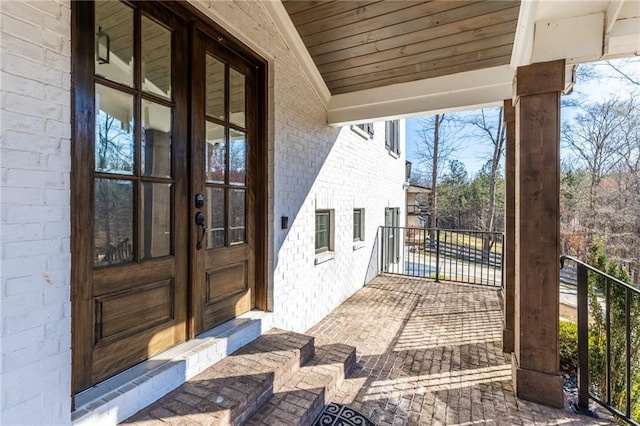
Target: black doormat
x: 340, y: 415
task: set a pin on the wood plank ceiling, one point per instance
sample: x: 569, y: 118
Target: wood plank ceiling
x: 360, y: 45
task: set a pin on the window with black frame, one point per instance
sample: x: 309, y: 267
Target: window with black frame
x: 358, y: 224
x: 323, y: 231
x: 392, y: 136
x: 365, y: 130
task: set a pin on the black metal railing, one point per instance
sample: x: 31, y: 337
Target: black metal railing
x: 418, y: 210
x: 608, y: 342
x: 465, y: 256
x: 120, y: 252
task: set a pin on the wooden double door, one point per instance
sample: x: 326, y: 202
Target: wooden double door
x: 166, y: 158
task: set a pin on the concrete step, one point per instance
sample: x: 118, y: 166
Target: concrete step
x: 232, y: 390
x: 302, y: 398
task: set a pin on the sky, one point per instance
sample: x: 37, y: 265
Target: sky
x: 475, y: 154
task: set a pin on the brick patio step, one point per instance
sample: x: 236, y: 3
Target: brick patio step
x: 302, y: 398
x: 232, y: 390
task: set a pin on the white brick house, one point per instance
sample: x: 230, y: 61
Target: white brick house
x: 77, y: 304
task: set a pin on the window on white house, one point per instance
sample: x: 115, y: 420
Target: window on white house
x: 392, y: 136
x: 324, y: 231
x: 365, y: 130
x: 358, y: 224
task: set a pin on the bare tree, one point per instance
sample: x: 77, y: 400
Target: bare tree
x: 436, y: 144
x: 490, y: 128
x: 619, y: 68
x: 596, y: 138
x: 604, y: 138
x: 433, y: 218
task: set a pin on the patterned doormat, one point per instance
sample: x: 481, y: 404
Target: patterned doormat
x: 339, y: 415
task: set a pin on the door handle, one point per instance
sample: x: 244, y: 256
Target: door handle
x: 200, y: 221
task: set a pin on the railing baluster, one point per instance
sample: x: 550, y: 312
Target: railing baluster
x: 475, y: 263
x: 502, y: 283
x: 608, y: 339
x: 420, y: 245
x: 423, y: 256
x: 437, y: 255
x: 427, y: 252
x: 457, y: 255
x: 471, y: 269
x: 627, y: 326
x: 583, y: 338
x: 617, y: 389
x: 481, y: 258
x: 448, y: 249
x: 384, y: 248
x: 415, y: 249
x: 416, y: 252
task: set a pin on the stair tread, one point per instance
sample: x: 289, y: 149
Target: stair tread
x: 231, y: 390
x: 301, y: 398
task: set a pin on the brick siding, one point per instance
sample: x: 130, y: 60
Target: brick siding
x: 35, y: 332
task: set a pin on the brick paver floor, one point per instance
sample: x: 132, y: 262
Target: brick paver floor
x: 430, y: 354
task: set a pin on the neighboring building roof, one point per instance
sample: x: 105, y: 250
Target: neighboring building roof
x: 418, y: 189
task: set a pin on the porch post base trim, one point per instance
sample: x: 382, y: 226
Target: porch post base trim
x: 536, y: 386
x: 507, y: 341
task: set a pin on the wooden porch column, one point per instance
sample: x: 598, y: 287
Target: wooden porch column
x: 509, y: 259
x: 535, y: 360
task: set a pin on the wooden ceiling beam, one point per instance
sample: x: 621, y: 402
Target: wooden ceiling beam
x: 452, y: 92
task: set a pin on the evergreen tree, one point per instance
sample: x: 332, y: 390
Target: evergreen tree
x: 598, y: 292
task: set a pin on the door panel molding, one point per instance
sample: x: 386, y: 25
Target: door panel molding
x: 145, y: 307
x: 233, y: 277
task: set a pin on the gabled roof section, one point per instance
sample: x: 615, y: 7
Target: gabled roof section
x: 418, y: 189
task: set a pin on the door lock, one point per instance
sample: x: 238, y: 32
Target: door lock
x: 200, y: 221
x: 199, y: 200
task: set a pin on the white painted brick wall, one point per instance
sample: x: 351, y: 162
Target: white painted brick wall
x: 35, y: 328
x: 341, y: 171
x: 311, y: 165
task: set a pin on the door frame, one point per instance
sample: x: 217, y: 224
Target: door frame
x: 201, y: 22
x: 207, y: 315
x: 81, y: 176
x: 205, y: 24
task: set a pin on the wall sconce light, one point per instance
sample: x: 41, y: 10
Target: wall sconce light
x: 102, y: 47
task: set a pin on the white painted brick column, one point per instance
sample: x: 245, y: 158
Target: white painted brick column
x: 35, y: 310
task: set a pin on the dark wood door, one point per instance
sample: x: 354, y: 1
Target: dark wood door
x: 129, y: 186
x: 162, y: 112
x: 224, y: 179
